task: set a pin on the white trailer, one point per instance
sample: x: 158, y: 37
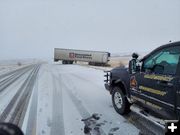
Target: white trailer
x: 68, y: 56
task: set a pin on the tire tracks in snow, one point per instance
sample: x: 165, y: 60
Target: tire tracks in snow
x: 134, y: 118
x: 78, y: 104
x: 57, y: 116
x: 32, y: 117
x: 16, y: 109
x: 7, y: 110
x: 85, y: 79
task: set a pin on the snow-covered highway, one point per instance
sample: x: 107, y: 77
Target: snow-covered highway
x: 60, y: 100
x: 15, y: 97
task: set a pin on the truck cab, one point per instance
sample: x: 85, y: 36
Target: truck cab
x: 152, y: 83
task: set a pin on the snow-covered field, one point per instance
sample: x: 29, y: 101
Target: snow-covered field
x: 9, y: 65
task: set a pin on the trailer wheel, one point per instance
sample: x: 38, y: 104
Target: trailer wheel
x: 71, y: 62
x: 120, y: 102
x: 64, y: 62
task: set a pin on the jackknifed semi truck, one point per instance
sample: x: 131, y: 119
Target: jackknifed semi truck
x: 68, y: 56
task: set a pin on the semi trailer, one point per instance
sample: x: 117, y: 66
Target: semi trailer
x: 68, y: 56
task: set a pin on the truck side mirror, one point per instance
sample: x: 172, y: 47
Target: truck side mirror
x: 133, y: 64
x: 135, y: 56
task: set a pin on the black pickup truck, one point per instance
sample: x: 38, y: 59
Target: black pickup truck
x: 152, y: 83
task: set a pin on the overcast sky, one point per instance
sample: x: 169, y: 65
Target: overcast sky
x: 33, y: 28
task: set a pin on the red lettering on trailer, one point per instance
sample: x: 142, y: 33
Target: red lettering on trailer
x: 71, y: 55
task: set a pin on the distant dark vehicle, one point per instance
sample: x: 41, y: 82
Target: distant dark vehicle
x: 68, y: 56
x: 152, y: 83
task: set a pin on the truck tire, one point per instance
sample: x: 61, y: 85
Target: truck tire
x: 64, y: 62
x: 120, y: 102
x: 90, y: 63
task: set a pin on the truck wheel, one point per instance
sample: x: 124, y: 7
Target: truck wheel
x: 120, y: 102
x: 71, y: 62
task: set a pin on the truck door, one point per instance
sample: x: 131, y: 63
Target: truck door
x: 178, y: 98
x: 155, y: 84
x: 178, y: 92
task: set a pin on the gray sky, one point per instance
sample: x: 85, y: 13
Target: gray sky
x: 32, y: 28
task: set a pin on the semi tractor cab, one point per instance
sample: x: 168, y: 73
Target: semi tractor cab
x: 152, y: 83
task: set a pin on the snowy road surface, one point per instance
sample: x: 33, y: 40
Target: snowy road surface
x: 61, y: 96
